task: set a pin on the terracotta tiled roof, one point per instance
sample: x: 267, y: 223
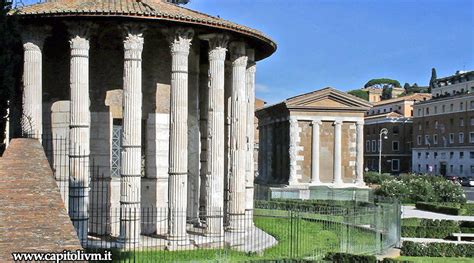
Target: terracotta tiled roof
x: 151, y: 9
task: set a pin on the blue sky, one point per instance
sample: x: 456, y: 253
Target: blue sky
x: 343, y: 44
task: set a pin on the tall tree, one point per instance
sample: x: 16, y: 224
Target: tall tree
x: 382, y: 83
x: 9, y: 64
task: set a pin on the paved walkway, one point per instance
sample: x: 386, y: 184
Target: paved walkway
x: 433, y: 240
x: 411, y: 211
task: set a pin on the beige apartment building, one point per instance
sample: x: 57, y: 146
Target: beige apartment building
x: 396, y: 116
x: 444, y: 128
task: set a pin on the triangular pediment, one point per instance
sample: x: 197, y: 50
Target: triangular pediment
x: 327, y: 98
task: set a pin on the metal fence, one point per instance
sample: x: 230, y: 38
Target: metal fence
x: 276, y: 229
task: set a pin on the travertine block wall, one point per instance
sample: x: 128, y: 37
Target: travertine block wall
x: 326, y: 159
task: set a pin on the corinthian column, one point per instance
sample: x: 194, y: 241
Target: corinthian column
x: 215, y: 140
x: 79, y: 133
x: 238, y: 138
x: 32, y: 117
x: 130, y: 176
x: 360, y: 154
x: 180, y: 42
x: 337, y: 180
x: 250, y: 164
x: 315, y: 153
x: 293, y: 150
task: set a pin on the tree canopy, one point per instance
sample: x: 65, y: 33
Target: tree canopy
x: 9, y: 63
x: 382, y: 83
x: 360, y: 94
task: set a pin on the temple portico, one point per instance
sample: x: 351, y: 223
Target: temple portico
x: 314, y: 139
x: 141, y: 111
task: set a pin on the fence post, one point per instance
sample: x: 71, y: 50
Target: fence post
x: 378, y: 231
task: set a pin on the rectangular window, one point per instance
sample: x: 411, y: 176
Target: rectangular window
x: 427, y: 124
x: 471, y: 155
x: 451, y: 155
x: 435, y: 155
x: 427, y: 110
x: 419, y: 125
x: 451, y: 168
x: 471, y: 137
x: 444, y: 108
x: 435, y: 109
x: 461, y: 106
x: 419, y: 168
x: 461, y: 137
x: 396, y: 130
x: 427, y: 139
x: 471, y: 104
x: 451, y: 138
x: 472, y: 169
x: 419, y: 155
x: 461, y: 168
x: 436, y: 125
x: 435, y: 138
x: 395, y: 165
x: 427, y: 155
x: 367, y: 146
x: 461, y: 155
x: 395, y: 146
x: 418, y: 140
x: 461, y: 122
x: 451, y: 107
x: 374, y: 146
x: 471, y: 121
x: 419, y: 112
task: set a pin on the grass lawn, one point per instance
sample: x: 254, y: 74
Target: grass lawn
x: 436, y: 260
x: 313, y: 239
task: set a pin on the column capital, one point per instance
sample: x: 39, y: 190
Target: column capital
x: 133, y: 42
x: 237, y: 53
x: 217, y: 46
x: 180, y: 39
x: 316, y: 122
x: 79, y: 33
x: 337, y: 122
x: 360, y: 123
x: 33, y: 37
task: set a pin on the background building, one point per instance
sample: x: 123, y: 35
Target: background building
x: 396, y: 116
x: 443, y: 127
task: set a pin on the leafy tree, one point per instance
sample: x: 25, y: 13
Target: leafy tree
x: 382, y: 82
x: 360, y: 94
x: 9, y: 64
x: 432, y: 80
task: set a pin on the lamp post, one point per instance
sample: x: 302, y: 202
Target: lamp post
x: 383, y: 132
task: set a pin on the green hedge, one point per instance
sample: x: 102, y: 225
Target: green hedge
x: 466, y: 209
x: 437, y: 249
x: 311, y: 205
x: 352, y: 258
x: 349, y: 258
x: 428, y: 228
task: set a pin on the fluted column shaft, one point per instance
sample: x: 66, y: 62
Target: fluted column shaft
x: 238, y: 139
x: 250, y: 165
x: 180, y: 42
x: 293, y: 149
x: 79, y: 133
x: 315, y: 179
x: 130, y: 179
x: 337, y: 178
x: 194, y: 136
x: 32, y: 118
x: 360, y: 153
x: 215, y: 140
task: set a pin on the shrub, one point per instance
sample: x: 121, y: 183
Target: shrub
x: 468, y: 209
x: 376, y: 178
x: 436, y: 249
x: 428, y: 228
x: 350, y: 258
x: 421, y: 188
x: 444, y: 208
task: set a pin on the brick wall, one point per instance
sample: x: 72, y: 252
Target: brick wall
x: 33, y: 216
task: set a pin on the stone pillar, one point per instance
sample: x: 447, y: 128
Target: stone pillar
x: 337, y: 179
x: 79, y: 130
x: 360, y: 154
x: 315, y: 153
x: 130, y: 177
x: 215, y: 139
x: 293, y: 150
x: 194, y: 137
x: 32, y: 118
x: 203, y: 105
x: 180, y: 42
x: 238, y: 140
x: 227, y: 112
x: 250, y: 163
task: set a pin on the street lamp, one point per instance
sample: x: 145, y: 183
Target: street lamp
x: 383, y: 132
